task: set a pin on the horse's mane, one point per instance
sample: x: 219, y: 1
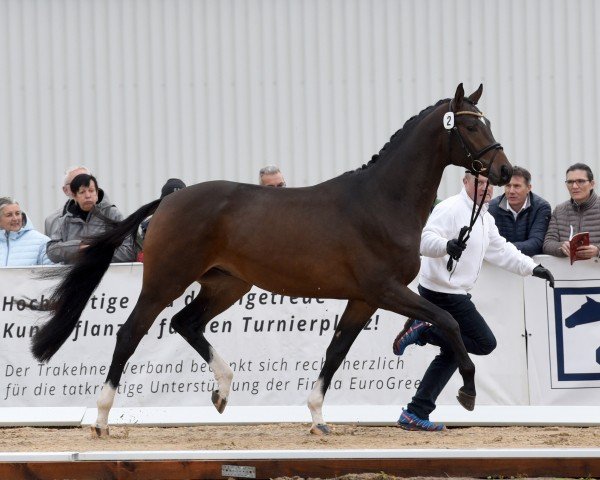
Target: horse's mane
x: 398, y: 136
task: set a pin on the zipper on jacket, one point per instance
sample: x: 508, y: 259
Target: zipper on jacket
x: 7, y: 249
x: 482, y: 253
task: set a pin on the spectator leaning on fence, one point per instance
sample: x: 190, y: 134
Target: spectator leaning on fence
x: 20, y: 244
x: 521, y: 216
x: 51, y: 222
x: 581, y: 213
x: 88, y: 214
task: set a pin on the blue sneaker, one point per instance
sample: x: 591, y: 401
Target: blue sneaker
x: 410, y: 336
x: 409, y: 421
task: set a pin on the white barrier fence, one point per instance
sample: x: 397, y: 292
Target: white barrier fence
x: 548, y: 355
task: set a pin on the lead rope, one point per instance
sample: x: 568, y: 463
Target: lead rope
x: 465, y: 232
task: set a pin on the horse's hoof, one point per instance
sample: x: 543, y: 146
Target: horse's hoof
x: 466, y: 400
x: 99, y: 432
x: 320, y: 429
x: 219, y: 402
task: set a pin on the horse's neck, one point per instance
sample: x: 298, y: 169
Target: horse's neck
x: 413, y: 173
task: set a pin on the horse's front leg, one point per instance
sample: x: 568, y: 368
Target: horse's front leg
x: 400, y: 299
x: 353, y: 320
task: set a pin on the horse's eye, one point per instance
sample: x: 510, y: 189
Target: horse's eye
x: 472, y: 128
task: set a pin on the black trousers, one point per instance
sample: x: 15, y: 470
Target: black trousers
x: 476, y: 335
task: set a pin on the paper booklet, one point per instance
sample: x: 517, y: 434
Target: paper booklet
x: 582, y: 239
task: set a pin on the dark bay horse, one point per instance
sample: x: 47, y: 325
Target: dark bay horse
x: 353, y: 237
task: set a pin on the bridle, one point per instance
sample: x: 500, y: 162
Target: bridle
x: 476, y: 166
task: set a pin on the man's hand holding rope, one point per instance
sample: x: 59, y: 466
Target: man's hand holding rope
x: 455, y: 247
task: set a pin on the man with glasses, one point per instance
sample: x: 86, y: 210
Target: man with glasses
x: 581, y: 213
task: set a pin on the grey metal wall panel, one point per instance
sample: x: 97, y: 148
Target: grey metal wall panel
x: 144, y: 90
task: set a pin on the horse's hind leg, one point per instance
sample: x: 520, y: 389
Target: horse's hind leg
x: 128, y: 337
x: 404, y: 301
x: 219, y: 291
x: 353, y: 320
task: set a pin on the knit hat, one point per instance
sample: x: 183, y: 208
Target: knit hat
x: 172, y: 185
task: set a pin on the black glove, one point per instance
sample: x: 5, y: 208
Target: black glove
x: 544, y: 273
x: 455, y: 247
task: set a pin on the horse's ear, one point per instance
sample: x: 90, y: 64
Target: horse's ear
x: 476, y: 95
x: 459, y: 97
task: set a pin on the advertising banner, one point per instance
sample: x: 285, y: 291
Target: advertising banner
x: 275, y: 345
x: 564, y: 335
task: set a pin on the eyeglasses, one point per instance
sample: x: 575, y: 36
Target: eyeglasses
x: 580, y: 182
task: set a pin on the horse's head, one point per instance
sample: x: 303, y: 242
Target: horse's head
x: 472, y: 144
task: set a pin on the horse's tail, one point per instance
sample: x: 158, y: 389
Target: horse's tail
x: 70, y: 296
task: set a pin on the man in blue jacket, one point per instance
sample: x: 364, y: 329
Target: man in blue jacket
x: 521, y: 216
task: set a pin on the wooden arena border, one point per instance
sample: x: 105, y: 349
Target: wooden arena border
x: 494, y: 463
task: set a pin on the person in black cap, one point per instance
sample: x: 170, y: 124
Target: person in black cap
x: 171, y: 185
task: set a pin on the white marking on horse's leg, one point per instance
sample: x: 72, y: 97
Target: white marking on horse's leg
x: 223, y: 373
x: 223, y: 376
x: 104, y: 403
x: 315, y: 403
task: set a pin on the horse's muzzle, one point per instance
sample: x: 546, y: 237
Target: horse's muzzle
x: 505, y: 174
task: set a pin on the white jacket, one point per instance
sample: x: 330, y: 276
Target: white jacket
x: 444, y: 224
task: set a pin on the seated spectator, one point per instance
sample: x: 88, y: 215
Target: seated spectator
x: 88, y: 214
x: 20, y: 244
x: 521, y: 216
x: 51, y: 222
x: 172, y: 185
x: 271, y: 176
x: 581, y: 213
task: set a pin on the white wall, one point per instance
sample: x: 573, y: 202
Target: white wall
x: 141, y: 91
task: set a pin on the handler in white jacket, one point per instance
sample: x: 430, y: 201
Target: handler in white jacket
x: 449, y: 290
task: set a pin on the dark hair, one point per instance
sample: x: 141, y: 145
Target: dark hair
x: 83, y: 180
x: 581, y: 166
x: 522, y: 172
